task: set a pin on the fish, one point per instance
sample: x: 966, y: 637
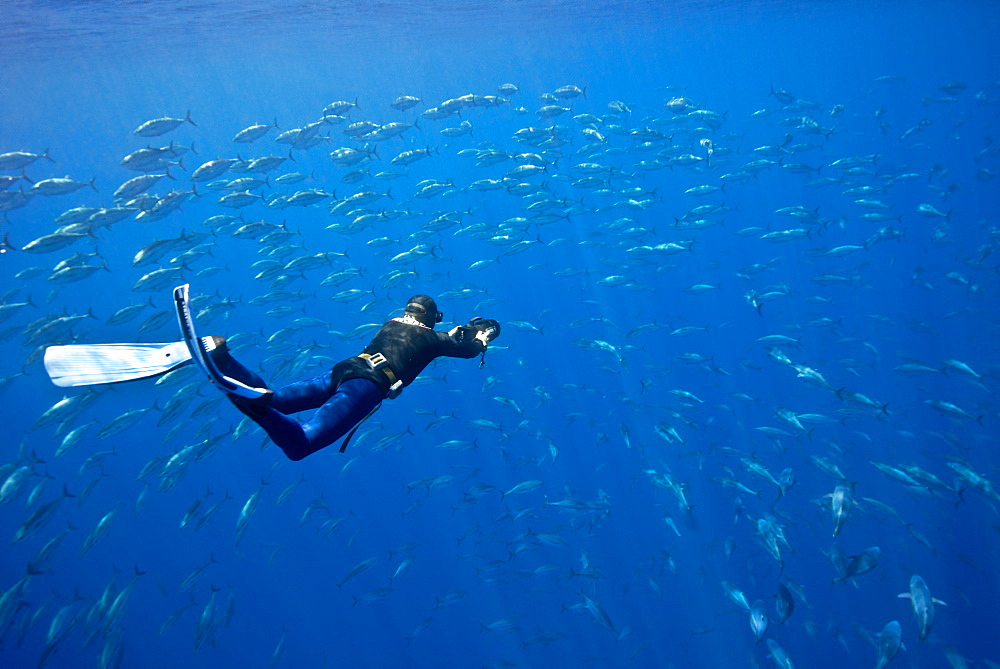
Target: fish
x: 923, y: 604
x: 14, y: 483
x: 159, y: 279
x: 191, y: 579
x: 860, y: 564
x: 406, y: 562
x: 758, y: 620
x: 501, y: 625
x: 568, y: 92
x: 59, y: 186
x: 962, y: 367
x: 357, y: 570
x: 974, y: 479
x: 247, y: 512
x: 161, y: 126
x: 123, y: 422
x: 211, y: 511
x: 11, y: 200
x: 784, y: 603
x: 931, y: 211
x: 522, y: 487
x: 100, y: 530
x: 151, y: 159
x: 254, y: 132
x: 212, y: 169
x: 778, y: 655
x: 841, y: 502
x: 16, y: 160
x: 66, y: 409
x: 411, y: 156
x: 889, y: 641
x: 950, y: 410
x: 239, y: 200
x: 598, y: 613
x: 207, y: 623
x: 40, y: 517
x: 54, y: 242
x: 405, y: 102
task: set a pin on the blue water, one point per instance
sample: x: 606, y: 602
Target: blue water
x: 630, y: 575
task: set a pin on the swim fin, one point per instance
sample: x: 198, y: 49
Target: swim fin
x: 198, y: 349
x: 91, y: 364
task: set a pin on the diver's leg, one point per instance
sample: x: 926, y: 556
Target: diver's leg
x: 292, y: 398
x: 353, y: 400
x: 302, y: 395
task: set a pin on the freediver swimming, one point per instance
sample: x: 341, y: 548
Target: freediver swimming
x: 343, y: 397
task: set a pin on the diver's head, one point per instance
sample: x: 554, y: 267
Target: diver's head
x: 424, y: 309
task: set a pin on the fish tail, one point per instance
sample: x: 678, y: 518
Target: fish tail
x: 5, y: 244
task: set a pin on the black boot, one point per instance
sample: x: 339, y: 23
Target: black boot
x: 221, y: 349
x: 253, y: 407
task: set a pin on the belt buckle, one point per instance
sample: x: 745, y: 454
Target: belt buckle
x: 377, y: 361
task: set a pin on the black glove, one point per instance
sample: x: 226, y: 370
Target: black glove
x: 487, y: 325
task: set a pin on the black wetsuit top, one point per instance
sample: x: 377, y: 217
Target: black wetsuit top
x: 409, y: 349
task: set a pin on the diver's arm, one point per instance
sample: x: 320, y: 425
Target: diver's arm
x: 462, y: 342
x: 474, y: 337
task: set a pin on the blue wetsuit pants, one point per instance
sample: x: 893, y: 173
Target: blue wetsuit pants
x: 338, y: 409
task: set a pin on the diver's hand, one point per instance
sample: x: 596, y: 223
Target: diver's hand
x: 487, y: 329
x: 464, y: 334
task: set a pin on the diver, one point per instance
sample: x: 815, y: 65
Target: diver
x: 355, y: 388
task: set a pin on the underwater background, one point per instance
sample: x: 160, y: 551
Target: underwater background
x: 746, y: 388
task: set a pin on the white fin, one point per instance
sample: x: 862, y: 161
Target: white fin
x: 91, y: 364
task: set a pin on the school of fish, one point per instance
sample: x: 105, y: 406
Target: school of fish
x: 695, y: 273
